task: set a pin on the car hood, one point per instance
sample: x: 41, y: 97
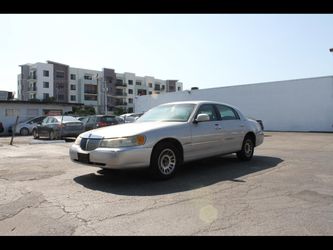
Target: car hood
x: 127, y: 129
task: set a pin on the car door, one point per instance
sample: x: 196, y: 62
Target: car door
x: 42, y: 128
x: 206, y: 137
x: 232, y: 128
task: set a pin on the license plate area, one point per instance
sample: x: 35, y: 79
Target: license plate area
x: 83, y: 158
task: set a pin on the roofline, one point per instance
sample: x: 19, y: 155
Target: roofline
x: 247, y: 84
x: 36, y: 102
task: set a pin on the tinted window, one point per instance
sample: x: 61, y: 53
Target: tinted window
x: 209, y: 110
x: 108, y: 119
x: 227, y: 113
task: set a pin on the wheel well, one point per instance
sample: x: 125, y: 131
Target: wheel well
x: 252, y: 136
x: 174, y: 142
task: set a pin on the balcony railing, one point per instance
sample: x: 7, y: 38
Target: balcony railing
x: 124, y: 85
x: 32, y: 88
x: 120, y: 94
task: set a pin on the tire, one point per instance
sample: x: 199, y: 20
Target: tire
x: 24, y: 131
x: 35, y: 134
x: 165, y: 159
x: 247, y: 149
x: 52, y: 135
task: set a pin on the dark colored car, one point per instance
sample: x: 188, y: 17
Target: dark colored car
x: 98, y: 121
x: 56, y: 127
x: 1, y: 127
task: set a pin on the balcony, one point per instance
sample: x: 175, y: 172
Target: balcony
x: 120, y: 94
x: 34, y: 88
x: 119, y: 104
x: 121, y: 85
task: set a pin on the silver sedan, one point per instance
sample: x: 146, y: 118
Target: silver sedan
x: 167, y: 136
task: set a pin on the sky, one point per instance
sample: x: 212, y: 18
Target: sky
x: 200, y: 50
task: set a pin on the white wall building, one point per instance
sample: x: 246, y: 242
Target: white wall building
x: 103, y: 90
x: 292, y: 105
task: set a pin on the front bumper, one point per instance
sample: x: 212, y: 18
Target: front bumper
x: 113, y: 158
x: 259, y: 138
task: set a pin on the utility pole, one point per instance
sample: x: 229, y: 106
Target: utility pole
x: 105, y: 98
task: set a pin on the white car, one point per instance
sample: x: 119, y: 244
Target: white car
x: 26, y: 127
x: 167, y: 136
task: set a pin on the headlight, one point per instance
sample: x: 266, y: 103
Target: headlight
x: 123, y: 142
x: 78, y: 140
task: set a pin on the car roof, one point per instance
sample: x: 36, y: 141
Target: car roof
x: 198, y: 102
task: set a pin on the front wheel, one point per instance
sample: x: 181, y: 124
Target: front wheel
x: 247, y: 150
x: 164, y: 161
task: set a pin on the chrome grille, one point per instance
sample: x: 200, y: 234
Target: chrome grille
x: 89, y: 144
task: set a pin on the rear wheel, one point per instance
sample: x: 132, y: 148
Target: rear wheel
x: 164, y: 161
x: 35, y: 134
x: 247, y: 149
x: 24, y: 131
x: 52, y: 135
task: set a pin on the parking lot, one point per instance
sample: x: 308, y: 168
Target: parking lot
x: 287, y: 189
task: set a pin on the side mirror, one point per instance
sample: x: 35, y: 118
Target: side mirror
x: 201, y: 118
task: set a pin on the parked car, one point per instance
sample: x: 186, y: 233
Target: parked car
x: 98, y: 121
x: 167, y: 136
x: 26, y: 127
x: 57, y: 127
x: 1, y: 127
x: 131, y: 117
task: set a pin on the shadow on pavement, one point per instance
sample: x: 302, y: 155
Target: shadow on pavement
x: 190, y: 176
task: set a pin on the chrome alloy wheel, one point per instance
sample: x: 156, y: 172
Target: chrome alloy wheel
x: 167, y: 161
x: 248, y: 148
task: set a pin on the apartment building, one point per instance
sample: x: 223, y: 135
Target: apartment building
x: 105, y: 90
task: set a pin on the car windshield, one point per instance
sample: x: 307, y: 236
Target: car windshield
x: 168, y: 113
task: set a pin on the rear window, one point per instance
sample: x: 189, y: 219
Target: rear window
x: 107, y: 119
x: 67, y: 119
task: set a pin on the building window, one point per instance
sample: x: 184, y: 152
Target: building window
x: 46, y: 85
x: 12, y: 112
x: 90, y: 89
x: 87, y: 77
x: 179, y: 88
x: 163, y: 87
x: 73, y: 98
x: 150, y: 93
x: 130, y: 100
x: 130, y: 82
x: 73, y: 87
x: 73, y: 77
x: 46, y: 96
x: 130, y: 110
x: 90, y: 97
x: 130, y: 91
x: 46, y: 73
x: 60, y: 74
x: 138, y: 83
x: 150, y: 85
x: 61, y: 97
x: 142, y: 92
x: 157, y: 87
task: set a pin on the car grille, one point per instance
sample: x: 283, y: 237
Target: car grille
x: 89, y: 144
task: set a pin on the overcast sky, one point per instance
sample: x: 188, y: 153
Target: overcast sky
x: 199, y: 50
